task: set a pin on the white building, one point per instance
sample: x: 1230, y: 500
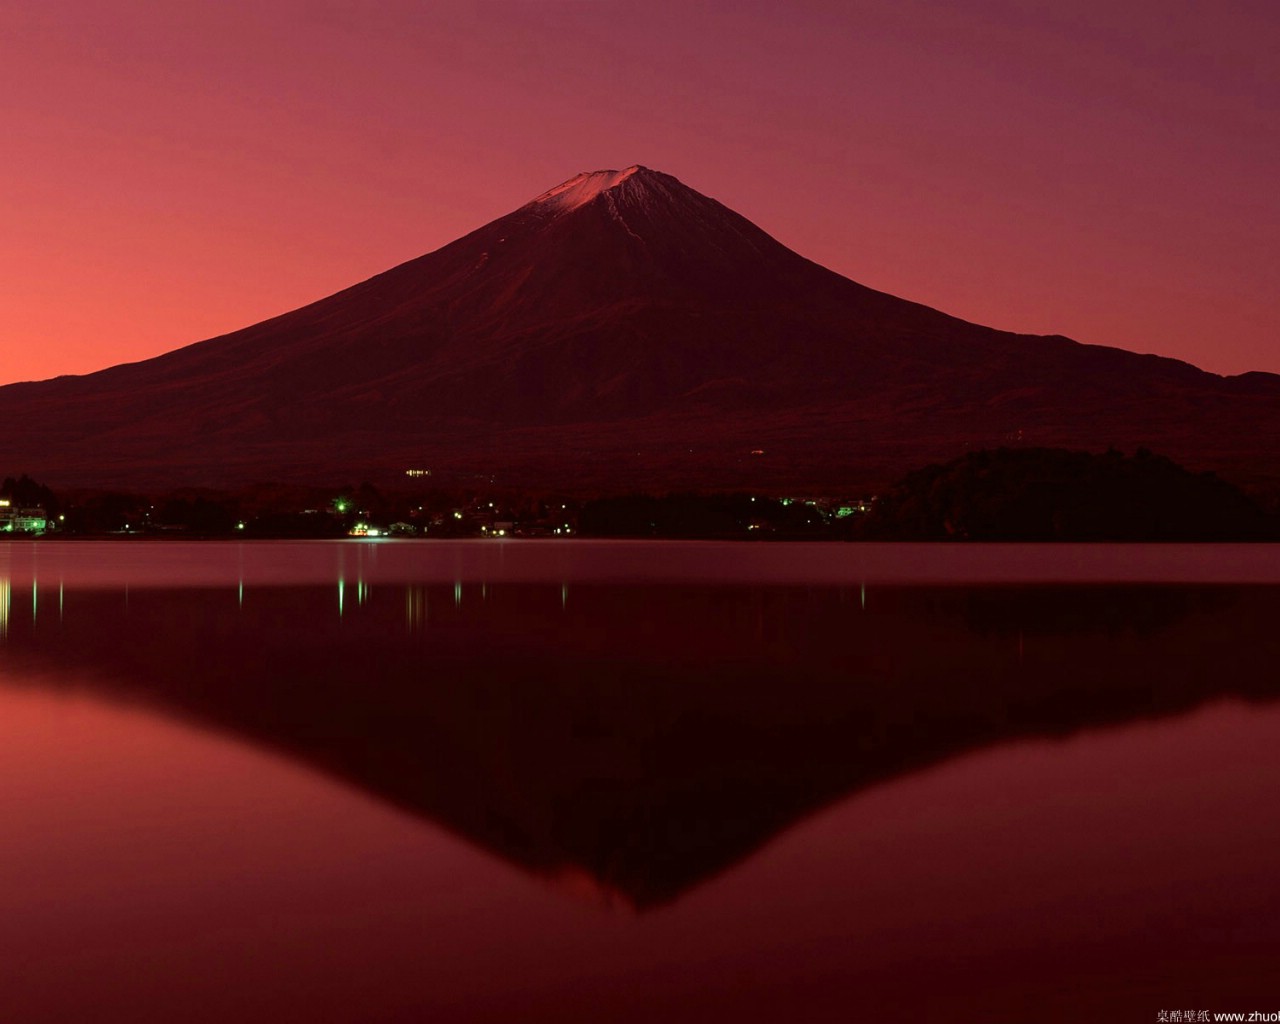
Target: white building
x: 21, y: 520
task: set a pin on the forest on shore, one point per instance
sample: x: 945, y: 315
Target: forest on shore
x: 1007, y: 494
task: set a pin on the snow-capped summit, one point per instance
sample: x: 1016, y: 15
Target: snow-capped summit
x: 582, y: 188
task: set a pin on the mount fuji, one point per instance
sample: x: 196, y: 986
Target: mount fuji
x: 621, y: 331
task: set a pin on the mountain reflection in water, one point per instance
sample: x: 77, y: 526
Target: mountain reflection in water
x: 642, y: 739
x: 315, y: 782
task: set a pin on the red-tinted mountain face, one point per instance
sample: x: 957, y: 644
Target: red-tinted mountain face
x: 621, y: 331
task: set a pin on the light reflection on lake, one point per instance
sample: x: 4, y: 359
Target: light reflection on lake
x: 484, y: 782
x: 276, y: 563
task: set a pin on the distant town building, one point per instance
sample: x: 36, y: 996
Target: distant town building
x: 14, y: 519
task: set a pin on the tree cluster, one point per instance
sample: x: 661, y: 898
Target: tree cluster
x: 24, y: 492
x: 1047, y: 494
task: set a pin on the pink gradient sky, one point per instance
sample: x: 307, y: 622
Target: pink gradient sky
x: 170, y: 172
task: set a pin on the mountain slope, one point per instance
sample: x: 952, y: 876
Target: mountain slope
x: 621, y: 330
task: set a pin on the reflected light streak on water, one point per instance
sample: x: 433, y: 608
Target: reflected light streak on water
x: 415, y: 608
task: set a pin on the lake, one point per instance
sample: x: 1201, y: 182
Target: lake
x: 487, y: 781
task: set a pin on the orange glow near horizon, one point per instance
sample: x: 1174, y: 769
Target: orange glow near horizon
x: 175, y: 174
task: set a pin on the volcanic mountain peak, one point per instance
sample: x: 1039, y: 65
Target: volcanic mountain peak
x: 582, y: 188
x: 621, y: 330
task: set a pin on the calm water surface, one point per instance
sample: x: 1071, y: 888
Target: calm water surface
x: 547, y: 781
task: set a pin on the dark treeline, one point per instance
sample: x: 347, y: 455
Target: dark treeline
x: 24, y: 492
x: 1047, y: 494
x: 1035, y: 494
x: 702, y: 516
x: 288, y: 511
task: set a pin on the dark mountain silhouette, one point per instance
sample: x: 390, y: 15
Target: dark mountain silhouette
x: 646, y: 740
x: 622, y: 330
